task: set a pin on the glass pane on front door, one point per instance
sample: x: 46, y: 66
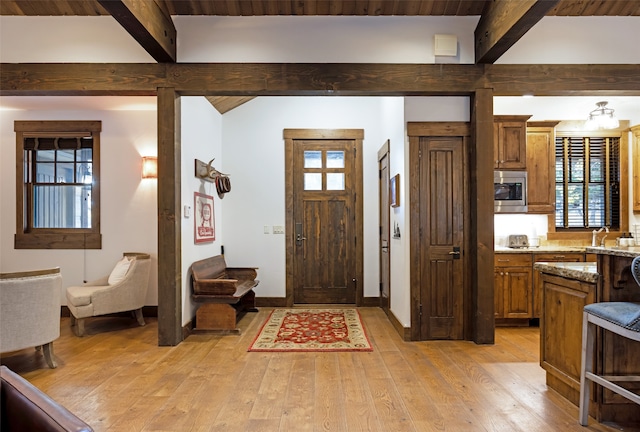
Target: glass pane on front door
x: 335, y: 159
x: 312, y: 181
x: 312, y: 159
x: 335, y: 181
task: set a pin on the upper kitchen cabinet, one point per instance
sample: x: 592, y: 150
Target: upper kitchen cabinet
x: 636, y: 168
x: 541, y: 166
x: 510, y: 142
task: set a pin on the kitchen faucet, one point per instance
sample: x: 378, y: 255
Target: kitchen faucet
x: 595, y: 235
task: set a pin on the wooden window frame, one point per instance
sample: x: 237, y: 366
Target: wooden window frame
x: 26, y: 236
x: 576, y: 129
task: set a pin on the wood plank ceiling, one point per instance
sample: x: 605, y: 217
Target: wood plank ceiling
x: 317, y: 7
x: 156, y: 17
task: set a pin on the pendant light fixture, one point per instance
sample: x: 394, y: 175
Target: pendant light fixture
x: 602, y: 118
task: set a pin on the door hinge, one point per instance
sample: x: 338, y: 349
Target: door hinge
x: 420, y: 310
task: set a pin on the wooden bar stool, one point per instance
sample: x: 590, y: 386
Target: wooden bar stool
x: 622, y: 318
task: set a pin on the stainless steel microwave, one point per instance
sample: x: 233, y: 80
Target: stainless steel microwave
x: 510, y: 191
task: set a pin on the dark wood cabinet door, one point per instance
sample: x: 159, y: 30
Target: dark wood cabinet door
x: 518, y: 302
x: 541, y: 167
x: 561, y: 331
x: 510, y: 142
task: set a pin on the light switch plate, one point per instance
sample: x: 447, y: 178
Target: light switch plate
x: 278, y: 229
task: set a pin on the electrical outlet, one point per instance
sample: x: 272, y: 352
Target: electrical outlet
x: 278, y: 229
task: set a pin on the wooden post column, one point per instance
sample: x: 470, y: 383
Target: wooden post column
x: 481, y: 190
x: 169, y: 230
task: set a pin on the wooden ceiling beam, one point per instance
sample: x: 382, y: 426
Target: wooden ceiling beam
x: 293, y: 79
x: 237, y: 79
x: 503, y: 23
x: 564, y: 80
x: 150, y: 25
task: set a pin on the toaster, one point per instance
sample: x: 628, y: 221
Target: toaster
x: 518, y: 241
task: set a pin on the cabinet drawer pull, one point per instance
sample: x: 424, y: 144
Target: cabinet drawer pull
x: 559, y: 256
x: 503, y: 260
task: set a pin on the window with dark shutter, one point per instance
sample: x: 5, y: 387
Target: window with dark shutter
x: 587, y: 182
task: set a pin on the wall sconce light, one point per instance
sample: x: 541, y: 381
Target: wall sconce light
x: 149, y: 167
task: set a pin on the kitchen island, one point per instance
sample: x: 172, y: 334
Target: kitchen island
x: 566, y: 288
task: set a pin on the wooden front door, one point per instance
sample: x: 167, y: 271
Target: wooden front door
x: 438, y: 225
x: 385, y: 226
x: 324, y: 254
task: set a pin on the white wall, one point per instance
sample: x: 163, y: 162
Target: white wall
x: 201, y: 139
x: 253, y: 149
x: 33, y: 39
x: 581, y: 40
x: 399, y: 263
x: 308, y: 39
x: 128, y: 203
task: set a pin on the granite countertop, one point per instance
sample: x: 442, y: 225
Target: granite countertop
x: 625, y: 251
x: 583, y: 271
x: 540, y: 249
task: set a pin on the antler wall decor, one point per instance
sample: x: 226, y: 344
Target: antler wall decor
x: 206, y: 171
x: 209, y: 173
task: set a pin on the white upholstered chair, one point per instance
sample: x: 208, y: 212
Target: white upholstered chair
x: 30, y: 311
x: 125, y: 289
x: 621, y: 318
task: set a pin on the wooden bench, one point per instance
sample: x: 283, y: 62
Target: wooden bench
x: 225, y: 293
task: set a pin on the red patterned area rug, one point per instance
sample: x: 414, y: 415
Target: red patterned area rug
x: 297, y: 330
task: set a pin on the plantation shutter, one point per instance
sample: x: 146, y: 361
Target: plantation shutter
x: 587, y: 182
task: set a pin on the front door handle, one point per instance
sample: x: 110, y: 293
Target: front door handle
x: 299, y: 236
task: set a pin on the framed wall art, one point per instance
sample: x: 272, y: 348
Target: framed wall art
x: 394, y: 191
x: 205, y: 226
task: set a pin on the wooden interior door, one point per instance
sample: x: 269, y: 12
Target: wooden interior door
x: 441, y: 236
x: 385, y: 226
x: 326, y: 221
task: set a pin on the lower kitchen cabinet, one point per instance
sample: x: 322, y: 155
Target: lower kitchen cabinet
x: 513, y: 286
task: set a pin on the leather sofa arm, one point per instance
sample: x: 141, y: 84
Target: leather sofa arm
x: 26, y: 408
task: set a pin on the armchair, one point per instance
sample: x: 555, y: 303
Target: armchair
x: 109, y: 295
x: 23, y: 407
x: 30, y: 311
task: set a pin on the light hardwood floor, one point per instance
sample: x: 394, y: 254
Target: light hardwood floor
x: 117, y: 379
